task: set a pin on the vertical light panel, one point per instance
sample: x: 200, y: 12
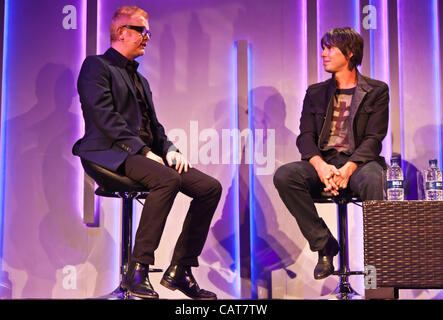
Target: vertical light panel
x: 251, y: 172
x: 236, y: 185
x: 100, y: 27
x: 3, y: 122
x: 305, y: 42
x: 311, y: 41
x: 400, y: 77
x: 251, y: 177
x: 440, y: 41
x: 394, y: 110
x: 379, y: 59
x: 437, y: 75
x: 419, y: 87
x: 244, y: 194
x: 91, y: 203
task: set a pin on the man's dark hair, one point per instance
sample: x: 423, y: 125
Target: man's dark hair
x: 347, y: 40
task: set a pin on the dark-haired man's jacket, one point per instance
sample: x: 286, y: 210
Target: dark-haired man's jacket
x: 369, y: 116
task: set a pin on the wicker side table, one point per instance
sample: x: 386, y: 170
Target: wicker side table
x: 403, y: 240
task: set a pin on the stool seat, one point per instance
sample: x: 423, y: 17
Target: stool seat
x: 109, y: 181
x: 344, y: 195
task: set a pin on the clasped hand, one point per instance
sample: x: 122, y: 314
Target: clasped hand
x: 334, y: 179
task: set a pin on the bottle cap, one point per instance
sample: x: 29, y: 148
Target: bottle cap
x: 395, y: 161
x: 433, y: 162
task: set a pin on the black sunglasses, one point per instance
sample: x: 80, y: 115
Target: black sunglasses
x: 140, y: 29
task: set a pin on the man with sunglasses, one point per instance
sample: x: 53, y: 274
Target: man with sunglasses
x: 123, y: 134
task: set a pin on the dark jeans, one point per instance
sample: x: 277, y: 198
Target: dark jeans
x: 298, y: 182
x: 164, y: 183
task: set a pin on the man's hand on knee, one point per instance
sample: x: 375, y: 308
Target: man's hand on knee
x: 177, y: 159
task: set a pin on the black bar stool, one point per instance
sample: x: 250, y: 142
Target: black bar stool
x: 344, y: 290
x: 114, y: 185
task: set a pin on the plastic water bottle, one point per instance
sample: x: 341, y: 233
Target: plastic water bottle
x: 394, y: 179
x: 433, y: 182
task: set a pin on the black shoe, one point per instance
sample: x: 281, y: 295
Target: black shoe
x: 325, y: 267
x: 137, y: 281
x: 181, y: 278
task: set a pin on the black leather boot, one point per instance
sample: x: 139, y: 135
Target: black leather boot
x: 137, y: 281
x: 181, y: 278
x: 325, y: 266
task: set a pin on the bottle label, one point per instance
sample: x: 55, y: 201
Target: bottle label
x: 434, y: 185
x: 395, y: 184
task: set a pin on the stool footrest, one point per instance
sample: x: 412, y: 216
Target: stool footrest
x: 348, y: 273
x: 124, y: 269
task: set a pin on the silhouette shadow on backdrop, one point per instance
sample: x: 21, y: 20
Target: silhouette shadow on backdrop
x: 274, y: 250
x: 47, y: 229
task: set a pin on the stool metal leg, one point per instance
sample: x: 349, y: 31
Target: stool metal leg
x: 126, y: 247
x: 126, y: 236
x: 344, y: 290
x: 122, y: 293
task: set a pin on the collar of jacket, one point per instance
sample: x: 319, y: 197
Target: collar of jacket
x: 120, y: 60
x: 362, y: 85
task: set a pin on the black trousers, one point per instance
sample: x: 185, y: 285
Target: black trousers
x: 298, y: 182
x: 164, y: 183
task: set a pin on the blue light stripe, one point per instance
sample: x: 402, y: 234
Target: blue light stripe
x: 3, y: 123
x: 236, y: 184
x: 400, y: 80
x: 437, y: 75
x: 371, y: 48
x: 357, y: 19
x: 252, y: 201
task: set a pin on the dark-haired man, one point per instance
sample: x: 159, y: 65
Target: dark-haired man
x: 343, y: 122
x: 123, y: 134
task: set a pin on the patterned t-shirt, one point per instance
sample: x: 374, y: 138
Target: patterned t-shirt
x: 339, y: 134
